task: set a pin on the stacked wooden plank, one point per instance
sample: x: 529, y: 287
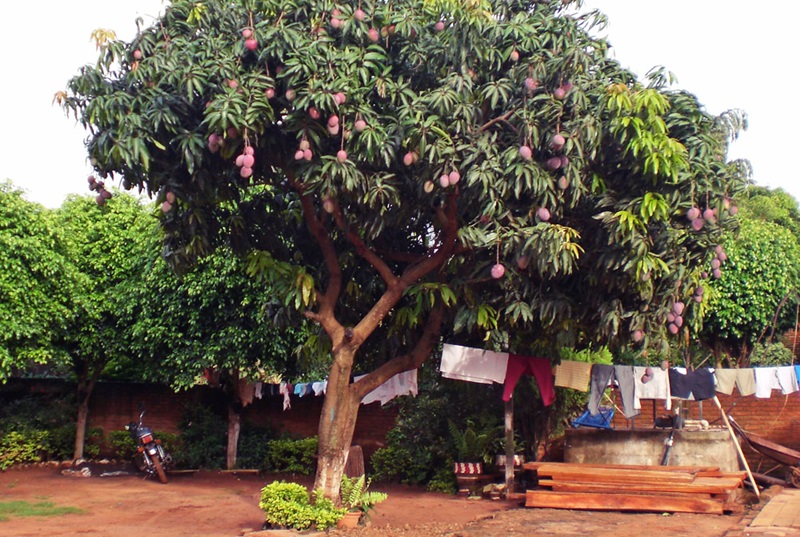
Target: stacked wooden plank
x: 609, y: 487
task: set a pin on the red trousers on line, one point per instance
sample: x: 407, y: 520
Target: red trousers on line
x: 541, y: 370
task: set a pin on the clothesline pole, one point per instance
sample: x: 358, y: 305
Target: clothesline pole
x: 738, y: 447
x: 510, y: 448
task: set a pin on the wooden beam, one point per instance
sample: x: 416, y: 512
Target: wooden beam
x: 681, y: 469
x: 630, y: 491
x: 608, y: 475
x: 621, y: 502
x: 699, y: 486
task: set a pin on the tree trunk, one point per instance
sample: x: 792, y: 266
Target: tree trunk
x: 336, y: 426
x: 87, y: 379
x: 234, y: 427
x: 80, y: 425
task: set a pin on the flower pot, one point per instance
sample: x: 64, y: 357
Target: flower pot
x: 500, y: 460
x: 349, y: 520
x: 468, y: 468
x: 470, y: 478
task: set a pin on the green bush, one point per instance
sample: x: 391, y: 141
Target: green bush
x: 253, y: 446
x: 172, y: 443
x: 94, y: 439
x: 396, y: 462
x: 287, y: 505
x: 61, y: 442
x: 326, y: 515
x: 203, y: 436
x: 285, y: 455
x: 21, y: 447
x: 771, y: 354
x: 46, y: 423
x: 421, y: 444
x: 444, y: 480
x: 122, y: 445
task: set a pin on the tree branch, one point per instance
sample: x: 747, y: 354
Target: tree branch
x: 327, y: 299
x: 363, y: 250
x: 415, y: 272
x: 503, y: 118
x: 406, y: 362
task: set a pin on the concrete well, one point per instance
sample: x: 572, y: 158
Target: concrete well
x: 711, y: 447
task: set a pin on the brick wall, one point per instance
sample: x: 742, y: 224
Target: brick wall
x: 776, y: 419
x: 115, y: 404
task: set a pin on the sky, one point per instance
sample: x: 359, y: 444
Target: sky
x: 731, y: 54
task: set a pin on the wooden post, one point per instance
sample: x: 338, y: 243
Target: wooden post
x: 738, y: 447
x: 509, y: 430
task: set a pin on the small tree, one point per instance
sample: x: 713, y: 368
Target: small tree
x: 105, y: 243
x: 212, y: 318
x: 756, y: 294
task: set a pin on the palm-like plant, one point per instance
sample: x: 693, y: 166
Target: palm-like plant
x: 356, y: 496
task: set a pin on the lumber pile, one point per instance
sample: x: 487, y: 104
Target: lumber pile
x: 609, y: 487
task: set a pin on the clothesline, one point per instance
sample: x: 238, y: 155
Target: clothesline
x: 404, y: 383
x: 634, y: 382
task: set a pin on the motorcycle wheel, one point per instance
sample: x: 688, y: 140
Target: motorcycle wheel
x: 162, y: 475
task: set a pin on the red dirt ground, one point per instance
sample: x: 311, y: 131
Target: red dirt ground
x: 217, y: 504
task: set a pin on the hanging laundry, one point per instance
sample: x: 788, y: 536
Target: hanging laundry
x: 319, y: 387
x: 573, y: 374
x: 259, y: 391
x: 697, y: 384
x: 404, y: 383
x: 473, y: 365
x: 775, y: 378
x: 744, y: 380
x: 541, y: 370
x: 797, y: 372
x: 651, y: 383
x: 284, y: 389
x: 212, y: 377
x: 246, y: 391
x: 623, y: 374
x: 602, y: 375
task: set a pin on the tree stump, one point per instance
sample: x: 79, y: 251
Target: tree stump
x: 354, y: 466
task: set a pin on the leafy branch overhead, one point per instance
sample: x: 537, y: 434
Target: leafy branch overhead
x: 380, y: 111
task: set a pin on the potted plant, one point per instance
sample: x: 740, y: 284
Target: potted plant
x: 474, y: 448
x: 357, y: 500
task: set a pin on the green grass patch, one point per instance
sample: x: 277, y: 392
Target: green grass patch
x: 43, y: 508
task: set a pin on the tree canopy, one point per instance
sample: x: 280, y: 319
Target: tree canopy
x: 399, y: 169
x: 760, y: 283
x: 104, y: 244
x: 36, y: 283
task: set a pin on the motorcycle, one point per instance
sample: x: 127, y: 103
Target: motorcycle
x: 151, y: 458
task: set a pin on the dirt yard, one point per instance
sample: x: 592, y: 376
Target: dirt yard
x: 217, y: 504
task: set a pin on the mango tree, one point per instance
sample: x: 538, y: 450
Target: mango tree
x: 396, y: 169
